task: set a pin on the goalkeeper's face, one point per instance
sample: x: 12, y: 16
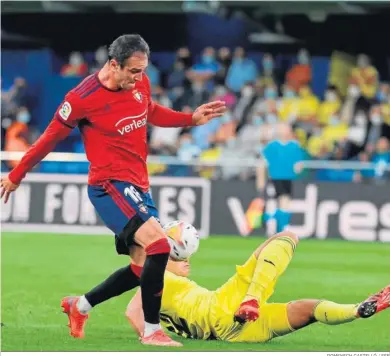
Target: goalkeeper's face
x: 131, y: 71
x: 180, y: 268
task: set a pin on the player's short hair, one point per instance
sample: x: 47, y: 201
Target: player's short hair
x: 125, y: 46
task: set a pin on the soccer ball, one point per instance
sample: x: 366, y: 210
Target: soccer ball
x: 183, y: 239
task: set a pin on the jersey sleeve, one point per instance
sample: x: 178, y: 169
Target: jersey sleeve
x: 70, y: 112
x: 159, y: 115
x: 65, y: 119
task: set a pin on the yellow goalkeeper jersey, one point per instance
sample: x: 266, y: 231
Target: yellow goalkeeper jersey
x: 176, y: 316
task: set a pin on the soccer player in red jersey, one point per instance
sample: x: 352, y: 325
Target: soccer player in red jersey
x: 112, y: 109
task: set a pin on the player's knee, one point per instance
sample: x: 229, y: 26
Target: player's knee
x: 150, y: 232
x: 300, y: 313
x: 290, y: 235
x: 158, y: 246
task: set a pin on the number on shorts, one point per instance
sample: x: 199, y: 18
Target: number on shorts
x: 133, y: 194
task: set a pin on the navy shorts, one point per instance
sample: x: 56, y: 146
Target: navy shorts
x: 123, y: 207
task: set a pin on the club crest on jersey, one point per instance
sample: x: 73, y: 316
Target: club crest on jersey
x: 137, y: 96
x: 65, y: 110
x: 143, y: 208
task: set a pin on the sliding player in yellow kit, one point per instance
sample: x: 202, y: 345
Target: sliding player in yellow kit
x: 238, y: 311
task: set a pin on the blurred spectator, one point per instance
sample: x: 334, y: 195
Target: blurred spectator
x: 374, y: 128
x: 267, y: 106
x: 194, y: 96
x: 267, y: 77
x: 203, y: 72
x: 208, y: 63
x: 244, y: 104
x: 76, y: 67
x: 330, y: 107
x: 308, y: 105
x: 164, y: 140
x: 203, y: 135
x: 357, y: 131
x: 383, y: 95
x: 385, y: 113
x: 187, y: 150
x: 381, y: 158
x: 15, y: 97
x: 242, y: 71
x: 222, y: 93
x: 154, y: 74
x: 290, y: 105
x: 300, y: 74
x: 250, y: 136
x: 224, y: 59
x: 177, y: 76
x: 365, y: 76
x: 183, y: 55
x: 349, y: 106
x: 17, y: 134
x: 101, y: 58
x: 226, y: 132
x: 160, y: 96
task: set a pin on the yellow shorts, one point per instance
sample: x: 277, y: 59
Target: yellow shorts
x: 273, y: 319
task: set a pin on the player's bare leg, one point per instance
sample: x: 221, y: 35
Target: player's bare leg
x: 305, y: 312
x: 152, y: 238
x: 273, y: 257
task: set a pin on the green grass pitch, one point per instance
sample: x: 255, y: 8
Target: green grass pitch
x: 39, y: 269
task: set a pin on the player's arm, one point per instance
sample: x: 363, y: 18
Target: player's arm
x: 159, y: 115
x: 60, y: 127
x: 135, y: 314
x: 261, y: 171
x: 261, y: 177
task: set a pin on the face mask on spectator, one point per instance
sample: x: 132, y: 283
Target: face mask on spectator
x: 207, y: 59
x: 23, y: 117
x: 353, y: 91
x: 376, y: 119
x: 268, y: 64
x: 247, y: 91
x: 360, y: 119
x: 258, y: 120
x: 270, y: 93
x: 272, y: 119
x: 288, y: 94
x: 330, y: 96
x: 334, y: 120
x: 303, y: 59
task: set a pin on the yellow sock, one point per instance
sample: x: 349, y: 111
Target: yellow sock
x: 271, y: 263
x: 333, y: 314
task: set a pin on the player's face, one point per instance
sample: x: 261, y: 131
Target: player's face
x: 132, y: 71
x: 180, y: 268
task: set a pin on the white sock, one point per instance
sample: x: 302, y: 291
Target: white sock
x: 83, y: 305
x: 150, y: 328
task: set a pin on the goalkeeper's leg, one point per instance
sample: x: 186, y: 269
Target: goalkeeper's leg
x: 305, y: 312
x: 272, y: 257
